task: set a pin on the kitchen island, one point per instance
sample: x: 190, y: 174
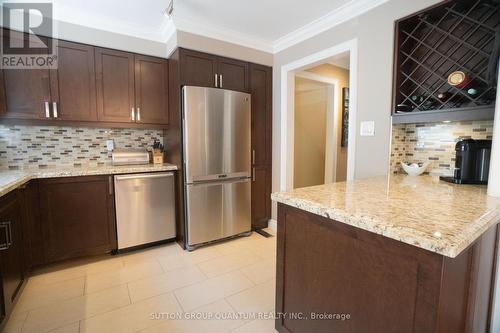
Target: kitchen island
x: 386, y: 254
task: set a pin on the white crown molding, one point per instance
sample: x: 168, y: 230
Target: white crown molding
x: 222, y: 34
x: 335, y: 17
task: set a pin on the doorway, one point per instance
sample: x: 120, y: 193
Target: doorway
x: 311, y: 65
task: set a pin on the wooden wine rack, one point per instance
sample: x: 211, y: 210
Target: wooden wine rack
x: 452, y: 36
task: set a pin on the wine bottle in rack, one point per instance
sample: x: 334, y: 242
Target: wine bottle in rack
x: 444, y: 96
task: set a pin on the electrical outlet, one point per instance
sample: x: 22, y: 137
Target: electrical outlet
x: 110, y: 145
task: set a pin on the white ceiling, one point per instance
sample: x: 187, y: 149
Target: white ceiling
x: 268, y: 25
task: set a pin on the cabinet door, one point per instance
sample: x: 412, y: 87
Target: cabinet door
x: 73, y: 83
x: 261, y: 90
x: 115, y: 85
x: 77, y: 216
x: 11, y: 257
x: 261, y: 196
x: 27, y: 91
x: 151, y: 90
x: 233, y: 74
x: 197, y: 69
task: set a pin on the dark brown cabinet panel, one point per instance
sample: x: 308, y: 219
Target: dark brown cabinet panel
x: 151, y: 90
x: 197, y: 69
x: 11, y: 253
x: 261, y: 196
x: 27, y: 93
x: 261, y: 90
x: 115, y: 85
x: 77, y: 215
x: 73, y: 88
x: 33, y: 241
x: 233, y: 74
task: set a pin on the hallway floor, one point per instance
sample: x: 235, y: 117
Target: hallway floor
x: 162, y: 289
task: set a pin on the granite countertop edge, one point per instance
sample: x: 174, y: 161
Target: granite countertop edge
x: 391, y: 229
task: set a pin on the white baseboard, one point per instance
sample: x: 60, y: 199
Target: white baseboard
x: 273, y: 225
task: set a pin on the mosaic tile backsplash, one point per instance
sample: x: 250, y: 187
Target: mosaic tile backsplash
x: 434, y: 142
x: 24, y: 147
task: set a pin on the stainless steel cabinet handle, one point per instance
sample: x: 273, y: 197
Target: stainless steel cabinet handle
x: 47, y: 110
x: 5, y: 227
x: 110, y: 185
x: 138, y: 114
x: 133, y: 114
x: 215, y: 80
x: 253, y: 156
x: 253, y: 174
x: 220, y: 81
x: 9, y: 228
x: 142, y: 176
x: 54, y: 109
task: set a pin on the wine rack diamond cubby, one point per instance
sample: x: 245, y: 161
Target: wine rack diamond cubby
x: 446, y: 60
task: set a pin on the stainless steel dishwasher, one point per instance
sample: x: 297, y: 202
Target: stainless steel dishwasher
x: 145, y: 208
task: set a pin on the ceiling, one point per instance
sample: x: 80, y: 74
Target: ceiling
x: 267, y: 25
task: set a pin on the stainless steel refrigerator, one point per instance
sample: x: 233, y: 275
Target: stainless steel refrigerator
x: 216, y: 135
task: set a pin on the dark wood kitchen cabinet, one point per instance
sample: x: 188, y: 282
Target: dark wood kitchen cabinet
x: 261, y: 90
x: 72, y: 85
x: 151, y: 90
x: 77, y: 215
x: 12, y: 268
x: 115, y: 85
x: 65, y: 93
x: 27, y: 91
x: 91, y: 86
x: 207, y: 70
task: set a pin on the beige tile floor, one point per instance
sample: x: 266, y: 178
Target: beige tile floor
x: 216, y: 289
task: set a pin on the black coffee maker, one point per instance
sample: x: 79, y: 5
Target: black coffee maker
x: 472, y: 163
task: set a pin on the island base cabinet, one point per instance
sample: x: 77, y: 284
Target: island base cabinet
x: 77, y: 215
x: 332, y: 277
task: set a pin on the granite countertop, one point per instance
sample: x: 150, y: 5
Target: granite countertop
x: 10, y: 180
x: 422, y: 211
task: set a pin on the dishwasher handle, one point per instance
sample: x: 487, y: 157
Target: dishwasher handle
x: 145, y: 176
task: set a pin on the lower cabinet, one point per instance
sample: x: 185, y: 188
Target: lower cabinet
x: 77, y: 215
x: 261, y: 196
x: 11, y: 252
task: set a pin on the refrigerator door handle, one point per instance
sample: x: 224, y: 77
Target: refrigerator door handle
x: 220, y: 182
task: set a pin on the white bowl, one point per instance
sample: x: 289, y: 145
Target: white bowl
x: 413, y: 169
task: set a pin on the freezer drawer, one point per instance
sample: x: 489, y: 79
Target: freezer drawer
x: 217, y: 210
x: 145, y: 208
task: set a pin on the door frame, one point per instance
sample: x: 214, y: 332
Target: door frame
x: 287, y: 96
x: 331, y: 142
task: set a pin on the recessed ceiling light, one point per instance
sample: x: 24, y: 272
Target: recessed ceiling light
x: 170, y: 9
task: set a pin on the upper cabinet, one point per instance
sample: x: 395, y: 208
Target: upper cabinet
x: 27, y: 91
x: 97, y: 86
x: 115, y: 85
x: 72, y: 85
x: 198, y: 69
x: 446, y: 63
x: 206, y: 70
x: 151, y: 90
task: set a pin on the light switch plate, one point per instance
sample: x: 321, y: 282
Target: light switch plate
x: 367, y: 128
x: 110, y: 145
